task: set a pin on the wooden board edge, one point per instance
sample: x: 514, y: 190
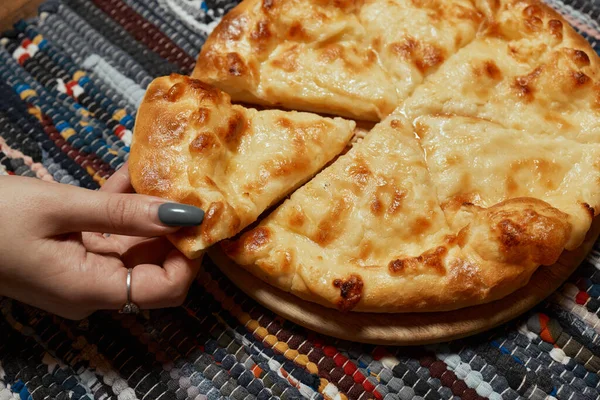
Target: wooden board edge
x: 408, y: 328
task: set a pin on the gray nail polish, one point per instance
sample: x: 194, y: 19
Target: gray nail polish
x: 175, y: 214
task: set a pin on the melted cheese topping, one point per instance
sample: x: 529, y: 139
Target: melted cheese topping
x: 192, y: 146
x: 352, y: 58
x: 368, y: 234
x: 477, y: 163
x: 526, y: 70
x: 488, y: 170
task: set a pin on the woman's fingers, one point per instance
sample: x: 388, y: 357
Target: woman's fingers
x: 72, y: 209
x: 155, y: 287
x: 152, y: 286
x: 49, y: 210
x: 149, y: 251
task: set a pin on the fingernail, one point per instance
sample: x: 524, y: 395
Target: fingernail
x: 175, y: 214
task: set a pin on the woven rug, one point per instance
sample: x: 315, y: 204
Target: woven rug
x: 70, y: 82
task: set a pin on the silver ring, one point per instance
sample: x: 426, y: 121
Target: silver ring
x: 130, y: 307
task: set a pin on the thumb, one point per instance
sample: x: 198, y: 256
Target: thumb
x: 82, y: 210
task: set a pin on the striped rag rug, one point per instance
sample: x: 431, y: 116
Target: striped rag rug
x: 80, y: 61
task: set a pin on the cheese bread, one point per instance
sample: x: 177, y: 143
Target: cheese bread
x: 357, y: 59
x: 191, y: 145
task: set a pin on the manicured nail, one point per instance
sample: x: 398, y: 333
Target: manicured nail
x: 175, y: 214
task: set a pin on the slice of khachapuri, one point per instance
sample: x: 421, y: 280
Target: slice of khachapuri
x: 191, y: 145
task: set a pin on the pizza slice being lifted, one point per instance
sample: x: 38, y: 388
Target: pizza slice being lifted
x: 357, y: 59
x: 191, y: 145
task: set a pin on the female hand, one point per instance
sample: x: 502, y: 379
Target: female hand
x: 54, y: 256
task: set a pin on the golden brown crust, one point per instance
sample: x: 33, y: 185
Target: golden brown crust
x: 351, y: 58
x: 191, y: 145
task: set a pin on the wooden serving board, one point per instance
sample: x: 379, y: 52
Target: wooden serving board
x: 410, y: 328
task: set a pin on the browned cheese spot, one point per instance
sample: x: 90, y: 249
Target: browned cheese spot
x: 331, y: 53
x: 453, y: 160
x: 580, y: 58
x: 451, y: 240
x: 458, y: 201
x: 558, y: 120
x: 580, y: 79
x: 234, y: 130
x: 421, y: 129
x: 376, y: 44
x: 176, y: 92
x: 396, y: 124
x: 420, y: 226
x: 233, y: 25
x: 469, y: 14
x: 370, y: 58
x: 285, y: 123
x: 511, y: 185
x: 288, y: 60
x: 523, y: 85
x: 430, y: 260
x: 589, y: 209
x: 396, y: 203
x: 533, y: 15
x: 526, y: 234
x: 348, y: 5
x: 534, y: 24
x: 556, y: 28
x: 235, y: 65
x: 256, y: 239
x: 203, y: 90
x: 432, y: 57
x: 261, y: 32
x: 296, y: 32
x: 350, y: 292
x: 287, y: 261
x: 462, y: 237
x: 192, y: 199
x: 296, y: 218
x: 596, y: 98
x: 405, y: 49
x: 268, y: 4
x: 376, y: 206
x: 250, y: 242
x: 200, y: 117
x: 260, y: 36
x: 490, y: 70
x: 533, y: 11
x: 169, y: 129
x: 330, y: 227
x: 287, y: 166
x: 360, y: 173
x: 424, y: 56
x: 493, y: 29
x: 155, y: 92
x: 211, y: 219
x: 434, y: 8
x: 201, y: 142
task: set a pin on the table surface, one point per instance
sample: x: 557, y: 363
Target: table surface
x: 220, y: 343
